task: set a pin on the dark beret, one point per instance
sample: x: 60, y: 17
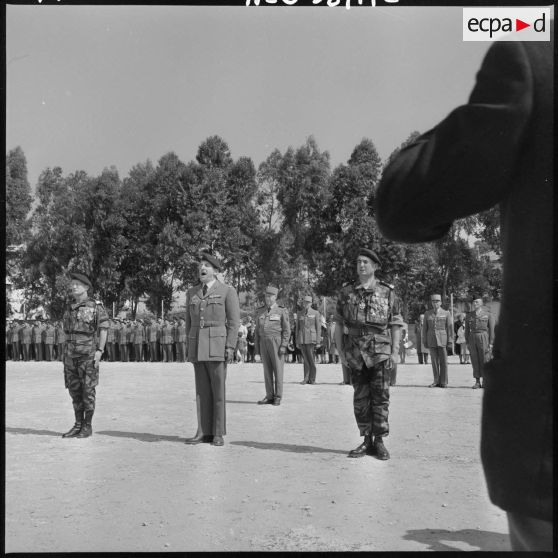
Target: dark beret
x: 81, y: 277
x: 369, y: 254
x: 214, y: 261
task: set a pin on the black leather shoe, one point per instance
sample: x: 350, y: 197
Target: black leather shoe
x: 204, y: 439
x: 363, y: 449
x: 380, y: 450
x: 434, y: 385
x: 277, y: 401
x: 73, y: 432
x: 218, y: 441
x: 266, y: 401
x: 304, y: 382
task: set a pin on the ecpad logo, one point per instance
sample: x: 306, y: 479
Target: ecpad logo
x: 507, y: 24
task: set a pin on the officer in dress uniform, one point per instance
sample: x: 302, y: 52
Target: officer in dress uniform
x: 212, y: 321
x: 437, y: 333
x: 308, y: 334
x: 367, y: 333
x: 270, y: 341
x: 26, y: 338
x: 85, y: 321
x: 479, y: 335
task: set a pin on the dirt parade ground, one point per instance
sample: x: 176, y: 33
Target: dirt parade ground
x: 281, y: 482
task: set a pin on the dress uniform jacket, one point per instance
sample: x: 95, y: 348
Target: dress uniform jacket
x: 308, y: 327
x: 437, y: 329
x: 273, y: 323
x: 212, y: 322
x: 498, y: 149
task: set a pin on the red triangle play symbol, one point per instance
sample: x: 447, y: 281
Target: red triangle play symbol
x: 519, y: 25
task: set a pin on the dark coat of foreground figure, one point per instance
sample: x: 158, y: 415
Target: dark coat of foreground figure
x: 498, y: 149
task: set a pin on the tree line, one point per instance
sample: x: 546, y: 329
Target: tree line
x: 294, y: 222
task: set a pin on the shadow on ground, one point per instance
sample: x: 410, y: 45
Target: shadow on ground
x: 444, y: 540
x: 141, y: 436
x: 12, y: 430
x: 287, y: 447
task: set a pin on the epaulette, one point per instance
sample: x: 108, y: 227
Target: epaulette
x: 388, y: 285
x: 98, y: 302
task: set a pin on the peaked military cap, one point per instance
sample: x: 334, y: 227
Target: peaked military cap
x: 270, y: 289
x: 81, y: 277
x: 436, y: 297
x: 307, y: 298
x: 213, y: 260
x: 369, y: 254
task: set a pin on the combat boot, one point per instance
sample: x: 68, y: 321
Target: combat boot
x: 74, y: 431
x: 379, y: 449
x: 363, y: 449
x: 86, y: 429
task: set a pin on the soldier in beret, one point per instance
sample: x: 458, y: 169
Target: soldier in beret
x: 308, y: 335
x: 367, y: 333
x: 270, y: 341
x: 479, y: 334
x: 212, y: 321
x: 85, y: 320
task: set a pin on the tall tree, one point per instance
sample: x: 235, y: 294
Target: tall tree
x: 18, y: 197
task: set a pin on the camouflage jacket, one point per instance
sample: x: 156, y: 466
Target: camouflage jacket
x: 367, y: 316
x: 82, y: 321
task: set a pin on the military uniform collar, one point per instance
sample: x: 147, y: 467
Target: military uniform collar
x: 75, y: 305
x: 360, y: 286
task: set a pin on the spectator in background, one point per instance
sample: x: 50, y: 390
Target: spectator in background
x: 461, y: 341
x: 60, y: 340
x: 49, y: 341
x: 499, y: 149
x: 250, y: 338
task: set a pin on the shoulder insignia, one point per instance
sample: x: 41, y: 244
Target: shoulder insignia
x: 388, y: 285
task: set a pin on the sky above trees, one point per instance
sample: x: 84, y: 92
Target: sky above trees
x: 93, y: 86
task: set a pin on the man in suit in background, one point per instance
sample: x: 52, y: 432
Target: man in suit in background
x: 212, y: 321
x: 498, y: 149
x: 437, y: 333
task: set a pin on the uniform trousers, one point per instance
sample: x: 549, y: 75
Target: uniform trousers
x: 138, y: 352
x: 81, y: 377
x: 371, y: 399
x: 153, y: 352
x: 16, y: 350
x: 110, y: 351
x: 478, y: 349
x: 60, y: 351
x: 273, y: 366
x: 528, y: 534
x: 309, y: 364
x: 38, y: 351
x: 210, y: 388
x: 439, y: 357
x: 181, y: 350
x: 49, y: 352
x: 167, y: 352
x: 26, y: 351
x: 423, y: 358
x: 123, y: 352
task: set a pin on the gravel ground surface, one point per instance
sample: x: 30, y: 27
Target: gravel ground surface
x: 281, y: 482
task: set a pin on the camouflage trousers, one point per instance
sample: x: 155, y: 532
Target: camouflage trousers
x: 371, y: 399
x: 81, y: 377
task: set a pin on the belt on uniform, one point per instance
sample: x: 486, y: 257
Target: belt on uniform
x: 203, y: 324
x: 364, y: 330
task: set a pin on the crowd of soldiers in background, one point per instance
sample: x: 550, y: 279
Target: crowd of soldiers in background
x: 164, y: 340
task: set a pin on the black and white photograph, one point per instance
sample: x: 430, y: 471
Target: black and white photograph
x: 279, y: 277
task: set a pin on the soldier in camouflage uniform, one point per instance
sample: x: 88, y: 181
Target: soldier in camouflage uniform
x: 368, y: 322
x: 82, y: 320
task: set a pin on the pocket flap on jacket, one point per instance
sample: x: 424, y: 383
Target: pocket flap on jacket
x: 217, y: 331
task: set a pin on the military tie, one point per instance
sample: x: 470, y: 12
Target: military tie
x: 204, y: 290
